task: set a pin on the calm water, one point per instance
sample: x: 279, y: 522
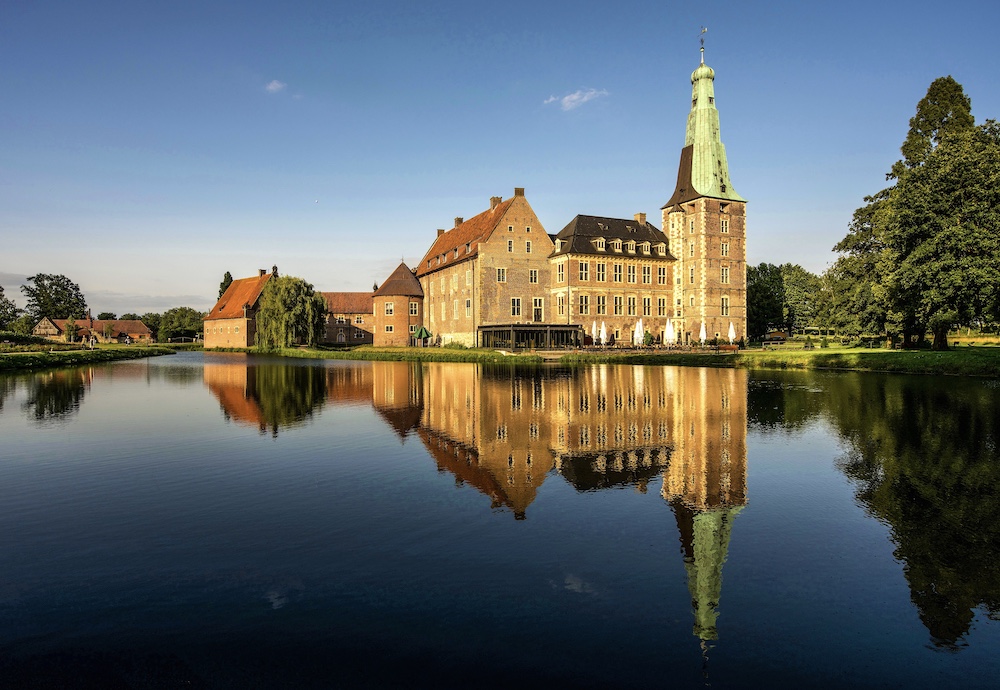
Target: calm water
x: 224, y: 521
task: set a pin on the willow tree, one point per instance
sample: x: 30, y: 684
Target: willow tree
x: 290, y: 312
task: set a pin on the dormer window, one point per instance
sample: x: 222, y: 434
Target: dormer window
x: 616, y: 245
x: 599, y: 244
x: 661, y: 249
x: 645, y: 247
x: 468, y: 247
x: 456, y: 252
x: 559, y: 244
x: 630, y: 247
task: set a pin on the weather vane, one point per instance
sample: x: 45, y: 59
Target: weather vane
x: 704, y: 30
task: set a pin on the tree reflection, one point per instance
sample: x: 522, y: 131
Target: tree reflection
x: 923, y: 457
x: 56, y: 395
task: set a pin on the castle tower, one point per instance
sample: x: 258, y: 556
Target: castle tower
x: 705, y: 220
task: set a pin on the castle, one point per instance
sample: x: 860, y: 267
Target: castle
x: 500, y: 280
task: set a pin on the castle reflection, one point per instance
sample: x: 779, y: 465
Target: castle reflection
x: 506, y: 431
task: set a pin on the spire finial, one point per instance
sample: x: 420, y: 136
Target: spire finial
x: 704, y: 30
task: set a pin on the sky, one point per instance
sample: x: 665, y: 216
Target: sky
x: 146, y: 148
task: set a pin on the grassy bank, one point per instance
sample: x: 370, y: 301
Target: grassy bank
x: 396, y: 354
x: 964, y: 361
x: 69, y: 358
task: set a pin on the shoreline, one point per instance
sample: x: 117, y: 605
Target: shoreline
x: 55, y: 359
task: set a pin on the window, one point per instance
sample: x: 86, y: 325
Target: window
x: 584, y: 305
x: 599, y: 244
x: 647, y: 275
x: 468, y: 276
x: 359, y: 334
x: 661, y: 306
x: 510, y: 246
x: 661, y: 249
x: 631, y: 306
x: 661, y: 275
x: 515, y: 306
x: 692, y: 274
x: 602, y: 305
x: 456, y: 252
x: 533, y: 275
x: 444, y: 311
x: 454, y: 281
x: 501, y: 275
x: 725, y: 306
x: 468, y: 247
x: 584, y: 270
x: 510, y: 228
x: 616, y: 245
x: 724, y: 249
x: 645, y: 247
x: 618, y: 306
x: 359, y: 319
x: 468, y: 307
x: 454, y: 310
x: 388, y: 308
x: 630, y: 247
x: 647, y: 306
x: 536, y: 305
x: 527, y: 246
x: 388, y: 328
x: 690, y: 248
x: 527, y: 228
x: 561, y: 305
x: 413, y: 308
x: 618, y: 273
x: 561, y: 273
x: 341, y: 319
x: 691, y: 230
x: 601, y: 272
x: 691, y: 300
x: 724, y: 225
x: 631, y: 274
x: 725, y: 274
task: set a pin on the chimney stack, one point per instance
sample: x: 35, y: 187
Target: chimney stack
x: 494, y: 202
x: 459, y: 220
x: 640, y: 218
x: 261, y: 272
x: 440, y: 232
x: 518, y: 191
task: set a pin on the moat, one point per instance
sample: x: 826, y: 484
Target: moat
x: 224, y: 520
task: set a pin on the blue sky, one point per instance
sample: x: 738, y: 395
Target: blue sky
x: 147, y: 148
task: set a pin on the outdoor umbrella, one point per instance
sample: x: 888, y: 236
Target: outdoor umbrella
x: 593, y: 332
x: 604, y: 334
x: 703, y: 336
x: 637, y: 334
x: 670, y: 331
x: 732, y: 332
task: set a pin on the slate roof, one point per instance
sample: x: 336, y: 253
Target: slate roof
x: 579, y: 234
x: 401, y: 282
x: 348, y: 302
x: 240, y: 293
x: 473, y: 231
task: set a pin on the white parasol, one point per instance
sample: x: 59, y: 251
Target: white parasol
x: 604, y: 334
x: 703, y: 335
x: 593, y: 332
x: 732, y: 333
x: 670, y: 332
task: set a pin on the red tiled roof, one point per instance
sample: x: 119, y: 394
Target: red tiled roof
x: 401, y: 282
x: 348, y: 302
x: 127, y: 326
x: 240, y: 293
x: 471, y: 232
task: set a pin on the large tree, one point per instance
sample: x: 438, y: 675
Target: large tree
x: 152, y: 321
x: 765, y: 299
x: 179, y: 322
x: 107, y: 316
x: 55, y: 296
x: 227, y: 280
x: 290, y: 312
x: 802, y: 297
x: 8, y: 311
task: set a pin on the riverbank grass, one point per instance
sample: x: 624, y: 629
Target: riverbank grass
x: 46, y: 359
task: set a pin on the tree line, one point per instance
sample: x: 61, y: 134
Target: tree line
x: 57, y: 297
x: 921, y: 256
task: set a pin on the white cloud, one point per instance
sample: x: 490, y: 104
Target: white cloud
x: 576, y: 99
x: 275, y: 86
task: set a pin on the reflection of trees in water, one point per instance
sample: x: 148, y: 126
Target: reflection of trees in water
x: 55, y: 395
x: 286, y: 395
x: 923, y: 457
x: 8, y: 384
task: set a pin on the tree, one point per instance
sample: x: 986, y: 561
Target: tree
x: 8, y: 311
x: 23, y: 324
x: 106, y: 316
x: 226, y: 282
x: 179, y: 322
x: 55, y: 296
x: 942, y: 235
x: 290, y: 312
x: 765, y: 299
x: 152, y: 321
x: 69, y: 332
x: 130, y: 317
x: 802, y: 294
x: 944, y: 110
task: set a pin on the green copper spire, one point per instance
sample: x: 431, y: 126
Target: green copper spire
x: 704, y: 170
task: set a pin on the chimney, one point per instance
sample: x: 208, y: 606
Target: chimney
x: 440, y: 232
x: 459, y: 220
x: 494, y: 202
x: 640, y: 218
x: 261, y: 272
x: 518, y: 191
x: 274, y: 271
